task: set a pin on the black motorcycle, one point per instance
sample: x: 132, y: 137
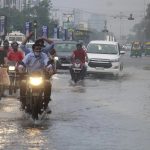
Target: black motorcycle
x: 34, y: 103
x: 14, y: 77
x: 76, y: 71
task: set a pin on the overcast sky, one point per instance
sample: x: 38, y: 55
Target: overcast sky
x: 110, y: 8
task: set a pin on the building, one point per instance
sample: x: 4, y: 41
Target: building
x: 18, y: 4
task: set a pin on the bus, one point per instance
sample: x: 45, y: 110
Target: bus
x: 15, y: 36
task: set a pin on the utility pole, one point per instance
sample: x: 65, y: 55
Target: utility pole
x: 105, y: 31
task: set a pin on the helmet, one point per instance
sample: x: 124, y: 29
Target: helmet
x: 78, y: 44
x: 14, y: 43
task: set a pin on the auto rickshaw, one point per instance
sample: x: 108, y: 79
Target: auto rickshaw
x: 146, y: 47
x: 136, y: 49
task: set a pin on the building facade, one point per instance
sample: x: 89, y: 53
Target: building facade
x: 18, y: 4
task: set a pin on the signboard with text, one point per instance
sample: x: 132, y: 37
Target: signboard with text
x: 45, y: 31
x: 2, y: 25
x: 28, y: 28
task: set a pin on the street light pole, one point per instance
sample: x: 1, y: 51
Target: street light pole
x: 35, y: 29
x: 121, y: 17
x: 105, y: 31
x: 144, y: 22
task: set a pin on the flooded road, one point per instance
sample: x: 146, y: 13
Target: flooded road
x: 100, y: 113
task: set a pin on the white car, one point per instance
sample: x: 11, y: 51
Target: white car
x: 104, y: 57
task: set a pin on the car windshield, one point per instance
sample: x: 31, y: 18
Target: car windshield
x: 65, y: 47
x: 147, y: 46
x: 12, y: 39
x: 102, y: 48
x: 136, y: 46
x: 17, y: 38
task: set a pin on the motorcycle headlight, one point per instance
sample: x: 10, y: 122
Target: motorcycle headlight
x: 77, y: 65
x: 35, y: 81
x: 56, y: 58
x: 11, y: 68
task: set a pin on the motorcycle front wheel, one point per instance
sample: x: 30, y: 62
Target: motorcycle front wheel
x: 35, y: 108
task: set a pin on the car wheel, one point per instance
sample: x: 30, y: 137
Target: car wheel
x: 121, y: 67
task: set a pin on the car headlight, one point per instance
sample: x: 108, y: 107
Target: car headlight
x: 115, y: 60
x: 56, y: 58
x: 11, y: 68
x: 35, y: 81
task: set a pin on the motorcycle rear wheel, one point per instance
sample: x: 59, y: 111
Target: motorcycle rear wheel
x: 75, y: 78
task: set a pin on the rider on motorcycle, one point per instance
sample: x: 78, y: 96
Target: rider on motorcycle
x: 3, y: 52
x: 46, y: 49
x: 13, y: 58
x: 36, y: 61
x: 6, y: 48
x: 15, y: 55
x: 80, y: 54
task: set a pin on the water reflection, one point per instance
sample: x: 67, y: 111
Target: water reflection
x: 35, y: 135
x: 7, y: 131
x: 78, y: 87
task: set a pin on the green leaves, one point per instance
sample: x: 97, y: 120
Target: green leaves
x: 16, y: 19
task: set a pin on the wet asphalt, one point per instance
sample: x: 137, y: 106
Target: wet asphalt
x: 99, y: 113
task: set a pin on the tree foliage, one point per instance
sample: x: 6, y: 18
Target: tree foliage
x: 41, y: 13
x: 142, y: 29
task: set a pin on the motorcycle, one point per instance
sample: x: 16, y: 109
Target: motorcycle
x: 34, y: 103
x: 77, y: 71
x: 13, y: 76
x: 1, y: 85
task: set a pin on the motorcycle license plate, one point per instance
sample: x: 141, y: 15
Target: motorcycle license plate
x: 99, y: 68
x: 77, y: 70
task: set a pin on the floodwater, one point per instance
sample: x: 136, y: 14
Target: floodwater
x: 100, y: 113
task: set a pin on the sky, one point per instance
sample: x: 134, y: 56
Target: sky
x: 110, y: 8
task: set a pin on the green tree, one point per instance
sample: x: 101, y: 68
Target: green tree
x: 142, y: 29
x: 14, y: 18
x: 41, y: 13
